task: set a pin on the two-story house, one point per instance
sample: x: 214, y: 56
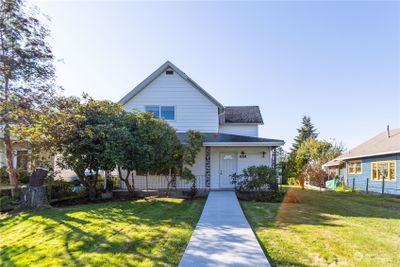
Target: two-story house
x: 231, y: 142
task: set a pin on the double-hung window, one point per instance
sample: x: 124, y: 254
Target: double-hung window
x: 383, y: 168
x: 355, y: 167
x: 164, y: 112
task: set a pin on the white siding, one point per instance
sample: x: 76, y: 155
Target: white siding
x: 253, y: 157
x: 193, y: 110
x: 199, y: 167
x: 248, y: 130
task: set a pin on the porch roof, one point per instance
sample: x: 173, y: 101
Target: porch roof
x: 333, y: 163
x: 222, y: 139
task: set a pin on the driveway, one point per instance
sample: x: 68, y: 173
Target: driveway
x: 223, y: 236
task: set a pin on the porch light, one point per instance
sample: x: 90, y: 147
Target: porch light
x: 242, y: 155
x: 263, y: 154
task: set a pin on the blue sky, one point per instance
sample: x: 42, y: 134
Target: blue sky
x: 338, y: 62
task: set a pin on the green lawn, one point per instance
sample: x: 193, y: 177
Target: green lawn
x: 328, y: 229
x: 137, y: 233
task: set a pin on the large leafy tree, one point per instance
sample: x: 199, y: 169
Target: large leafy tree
x: 51, y: 125
x: 122, y: 145
x: 316, y: 152
x: 160, y: 147
x: 85, y: 148
x: 26, y: 71
x: 143, y: 143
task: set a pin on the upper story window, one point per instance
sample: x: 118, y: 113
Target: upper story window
x: 355, y: 167
x: 165, y: 112
x: 383, y: 168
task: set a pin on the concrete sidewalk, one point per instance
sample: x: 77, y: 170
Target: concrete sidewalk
x: 223, y: 236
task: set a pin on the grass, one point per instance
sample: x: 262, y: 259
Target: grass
x: 137, y: 233
x: 328, y: 229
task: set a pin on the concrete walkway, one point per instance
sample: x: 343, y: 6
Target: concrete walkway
x: 223, y: 236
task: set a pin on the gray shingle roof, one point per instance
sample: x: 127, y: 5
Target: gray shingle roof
x: 229, y: 138
x: 333, y: 163
x: 378, y: 145
x: 243, y: 114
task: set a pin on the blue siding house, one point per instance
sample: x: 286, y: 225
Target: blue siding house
x: 374, y: 165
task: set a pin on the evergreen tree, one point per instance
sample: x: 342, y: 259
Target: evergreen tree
x: 306, y: 131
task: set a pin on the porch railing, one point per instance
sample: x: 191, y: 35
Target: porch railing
x: 159, y: 182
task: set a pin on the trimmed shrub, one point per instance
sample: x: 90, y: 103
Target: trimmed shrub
x: 60, y: 189
x: 22, y: 176
x: 257, y: 183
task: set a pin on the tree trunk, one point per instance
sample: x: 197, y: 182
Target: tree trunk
x: 92, y: 192
x: 109, y: 182
x: 168, y: 185
x: 34, y: 196
x: 131, y: 188
x: 89, y: 185
x: 9, y: 157
x: 128, y: 185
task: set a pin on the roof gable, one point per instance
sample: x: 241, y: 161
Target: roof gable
x: 141, y: 86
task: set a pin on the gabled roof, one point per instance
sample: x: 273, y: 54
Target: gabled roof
x: 376, y: 146
x: 157, y: 73
x: 221, y: 139
x: 243, y: 114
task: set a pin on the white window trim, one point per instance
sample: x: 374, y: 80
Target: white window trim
x: 159, y: 110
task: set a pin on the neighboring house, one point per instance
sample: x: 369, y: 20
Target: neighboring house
x: 20, y: 156
x: 231, y: 141
x: 21, y: 161
x: 371, y: 162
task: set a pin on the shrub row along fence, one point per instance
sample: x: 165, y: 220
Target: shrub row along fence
x: 56, y: 191
x: 383, y: 186
x: 160, y: 182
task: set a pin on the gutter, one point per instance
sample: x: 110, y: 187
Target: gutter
x: 370, y: 155
x: 238, y: 144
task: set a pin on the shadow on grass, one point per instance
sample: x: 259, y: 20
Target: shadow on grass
x: 110, y: 229
x: 319, y: 209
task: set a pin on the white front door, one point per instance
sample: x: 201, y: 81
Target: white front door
x: 227, y: 166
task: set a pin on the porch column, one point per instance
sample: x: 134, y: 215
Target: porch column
x: 273, y: 159
x: 208, y: 166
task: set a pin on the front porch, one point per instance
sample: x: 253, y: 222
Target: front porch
x: 221, y: 156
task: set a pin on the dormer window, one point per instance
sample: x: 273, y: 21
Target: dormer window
x: 165, y: 112
x: 169, y: 72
